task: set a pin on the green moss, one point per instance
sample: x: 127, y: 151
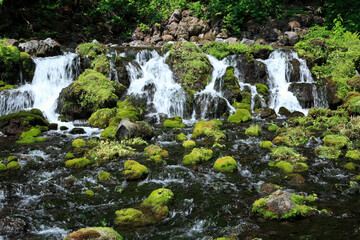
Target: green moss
x: 225, y: 164
x: 77, y: 163
x: 14, y: 165
x: 28, y: 66
x: 94, y: 233
x: 301, y: 167
x: 286, y: 154
x: 241, y: 105
x: 353, y: 154
x: 350, y: 166
x: 328, y: 152
x: 209, y: 129
x: 241, y: 115
x: 91, y: 50
x: 138, y: 141
x: 125, y: 109
x: 109, y: 132
x: 253, y: 130
x: 174, y: 122
x: 89, y: 193
x: 101, y: 117
x: 215, y: 49
x: 12, y: 158
x: 69, y: 155
x: 152, y: 150
x: 30, y: 136
x: 273, y: 128
x: 262, y: 90
x: 337, y: 141
x: 101, y: 64
x: 8, y: 87
x: 130, y: 217
x: 266, y: 144
x: 197, y: 156
x: 295, y: 136
x: 231, y: 83
x: 159, y: 197
x: 104, y: 176
x: 78, y: 143
x: 285, y: 166
x: 2, y: 167
x: 189, y: 144
x: 190, y: 65
x: 181, y: 137
x: 134, y: 170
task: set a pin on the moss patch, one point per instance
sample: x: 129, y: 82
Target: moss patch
x: 181, y: 137
x: 30, y: 136
x: 109, y: 132
x: 134, y: 170
x: 209, y: 129
x: 130, y: 217
x: 197, y: 155
x: 241, y: 115
x: 94, y: 233
x: 14, y: 165
x: 100, y: 118
x: 225, y: 164
x: 266, y: 144
x: 174, y: 122
x: 104, y: 176
x: 253, y: 130
x: 77, y: 163
x: 328, y: 152
x: 189, y: 144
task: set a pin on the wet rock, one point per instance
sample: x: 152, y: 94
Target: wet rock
x: 231, y: 40
x: 294, y: 66
x: 175, y: 16
x: 12, y: 226
x: 53, y: 126
x: 42, y: 48
x: 293, y: 24
x: 293, y: 38
x: 297, y: 114
x: 77, y: 131
x: 280, y: 202
x: 130, y: 217
x: 305, y: 20
x: 210, y: 106
x: 138, y: 34
x: 29, y: 47
x: 248, y: 42
x: 134, y: 170
x: 268, y: 113
x: 284, y: 111
x: 273, y: 29
x: 303, y: 93
x: 96, y: 233
x: 128, y: 129
x: 167, y: 38
x: 268, y: 188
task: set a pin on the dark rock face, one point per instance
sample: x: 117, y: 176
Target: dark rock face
x: 284, y: 111
x: 294, y: 66
x: 42, y: 48
x: 77, y: 131
x: 252, y: 71
x: 12, y: 226
x: 129, y: 129
x: 304, y: 93
x: 210, y: 106
x: 268, y: 113
x: 280, y: 202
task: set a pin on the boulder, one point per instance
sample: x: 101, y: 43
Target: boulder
x: 293, y: 24
x: 304, y: 93
x: 130, y: 129
x: 175, y: 16
x: 294, y: 67
x: 96, y: 233
x: 42, y: 48
x: 167, y: 38
x: 284, y: 111
x: 30, y: 47
x: 293, y: 37
x: 280, y: 202
x: 268, y: 113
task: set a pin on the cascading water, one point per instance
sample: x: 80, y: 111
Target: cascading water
x: 154, y: 81
x: 280, y: 70
x: 212, y: 94
x: 51, y: 75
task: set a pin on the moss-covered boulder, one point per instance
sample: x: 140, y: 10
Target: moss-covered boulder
x: 12, y: 166
x: 191, y: 67
x: 353, y: 154
x: 101, y: 117
x: 240, y: 105
x: 294, y: 136
x: 230, y: 86
x: 350, y: 166
x: 263, y: 90
x: 101, y: 64
x: 77, y: 163
x: 208, y: 129
x: 109, y: 132
x: 91, y: 50
x: 288, y: 160
x: 337, y: 141
x: 155, y: 153
x: 78, y: 143
x: 273, y: 128
x: 284, y: 205
x: 157, y: 202
x: 174, y: 122
x: 90, y: 92
x: 189, y: 144
x: 16, y: 123
x: 266, y: 144
x: 130, y: 217
x: 134, y: 170
x: 125, y: 109
x: 241, y: 115
x: 104, y: 176
x: 2, y: 167
x: 253, y: 130
x: 128, y: 128
x: 352, y: 103
x: 328, y: 152
x: 180, y: 137
x: 96, y: 233
x: 286, y: 167
x: 30, y: 136
x: 197, y: 155
x: 225, y: 164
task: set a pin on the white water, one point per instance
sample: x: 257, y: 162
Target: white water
x: 164, y: 94
x: 209, y: 94
x: 52, y: 74
x: 279, y: 80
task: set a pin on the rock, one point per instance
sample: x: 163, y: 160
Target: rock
x: 138, y: 34
x: 137, y: 43
x: 231, y: 40
x: 210, y: 130
x: 130, y: 129
x: 186, y: 13
x: 303, y: 93
x: 13, y: 226
x: 197, y: 155
x: 297, y: 114
x: 225, y: 164
x: 223, y: 35
x: 280, y: 202
x: 253, y: 71
x: 194, y: 39
x: 273, y: 29
x: 293, y: 24
x: 167, y: 38
x: 251, y: 29
x: 96, y: 233
x: 175, y: 16
x: 268, y: 113
x: 53, y: 126
x: 77, y: 131
x: 268, y: 188
x: 172, y: 29
x: 189, y: 144
x: 293, y: 37
x: 155, y: 153
x: 294, y: 67
x: 134, y: 170
x: 156, y: 39
x: 219, y: 40
x: 12, y: 42
x: 29, y: 47
x: 48, y: 47
x: 284, y: 111
x: 248, y: 42
x: 130, y: 217
x: 210, y: 106
x: 305, y: 20
x: 241, y: 115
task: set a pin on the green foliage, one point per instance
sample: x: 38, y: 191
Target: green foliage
x: 328, y: 152
x: 295, y: 136
x: 9, y: 59
x: 101, y: 64
x: 337, y: 141
x: 78, y: 143
x: 217, y: 50
x: 273, y: 128
x: 181, y: 137
x: 209, y: 129
x: 346, y: 9
x: 286, y: 154
x: 285, y: 166
x: 108, y: 132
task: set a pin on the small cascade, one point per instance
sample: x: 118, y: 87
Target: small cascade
x: 51, y: 75
x: 152, y: 79
x: 280, y: 67
x: 209, y: 100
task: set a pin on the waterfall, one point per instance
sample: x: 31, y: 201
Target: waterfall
x: 279, y: 68
x: 152, y: 79
x: 52, y: 74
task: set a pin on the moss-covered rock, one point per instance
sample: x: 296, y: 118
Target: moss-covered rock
x: 209, y: 129
x: 78, y: 143
x: 130, y: 217
x: 101, y: 117
x: 350, y: 166
x: 89, y: 193
x: 89, y: 93
x: 231, y: 88
x: 134, y: 170
x: 108, y: 132
x: 294, y: 136
x: 174, y: 122
x: 273, y: 128
x: 14, y: 165
x: 285, y: 166
x: 157, y: 202
x: 91, y: 50
x: 95, y: 233
x: 104, y: 176
x: 181, y: 137
x: 2, y: 167
x: 198, y: 155
x: 225, y: 164
x: 101, y: 64
x: 30, y: 136
x: 253, y: 130
x: 77, y: 163
x: 263, y: 91
x: 125, y: 109
x: 131, y: 129
x: 12, y: 158
x: 337, y: 141
x: 240, y: 105
x: 266, y: 144
x: 191, y: 67
x: 155, y: 153
x: 352, y: 103
x: 241, y: 115
x: 286, y: 154
x: 328, y: 152
x: 353, y: 154
x: 189, y: 144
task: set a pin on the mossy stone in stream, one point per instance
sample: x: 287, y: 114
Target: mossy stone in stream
x: 14, y: 165
x: 30, y: 136
x: 91, y: 50
x: 12, y: 158
x: 273, y: 128
x: 337, y: 141
x: 197, y: 155
x: 241, y: 115
x: 2, y: 167
x: 208, y: 129
x: 104, y: 176
x: 350, y: 166
x: 78, y: 143
x: 294, y: 136
x: 353, y: 154
x: 266, y: 144
x: 225, y: 164
x: 157, y: 202
x: 77, y: 163
x: 69, y: 155
x: 253, y: 130
x: 101, y: 117
x: 134, y: 170
x: 89, y: 193
x: 181, y: 137
x: 328, y: 152
x: 95, y: 233
x: 189, y: 144
x: 286, y: 167
x: 155, y: 153
x: 279, y: 141
x: 262, y: 90
x: 109, y: 132
x: 130, y: 217
x: 239, y: 105
x: 174, y: 122
x: 301, y: 167
x: 101, y: 64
